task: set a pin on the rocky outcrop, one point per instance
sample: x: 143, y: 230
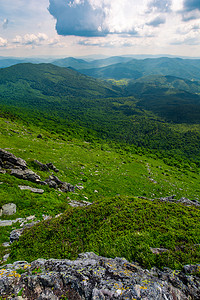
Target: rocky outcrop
x: 54, y: 182
x: 26, y: 175
x: 10, y: 161
x: 92, y: 277
x: 46, y: 167
x: 18, y: 168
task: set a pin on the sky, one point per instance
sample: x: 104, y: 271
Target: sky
x: 107, y: 27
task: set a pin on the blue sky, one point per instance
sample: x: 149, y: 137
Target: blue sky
x: 83, y: 27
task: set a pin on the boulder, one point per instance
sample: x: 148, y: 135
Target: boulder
x: 25, y: 175
x: 9, y: 160
x: 9, y: 209
x: 92, y: 277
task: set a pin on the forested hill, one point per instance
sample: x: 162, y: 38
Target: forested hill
x: 156, y: 113
x: 53, y: 81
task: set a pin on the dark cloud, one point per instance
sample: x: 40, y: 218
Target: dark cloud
x: 77, y: 18
x: 160, y: 5
x: 191, y: 5
x: 157, y: 22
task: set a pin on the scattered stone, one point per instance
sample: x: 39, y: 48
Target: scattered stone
x: 6, y: 223
x: 30, y: 218
x: 33, y: 190
x: 95, y: 191
x: 15, y: 234
x: 183, y: 200
x: 92, y: 277
x: 82, y: 203
x: 5, y: 257
x: 152, y: 180
x: 79, y: 187
x: 6, y: 244
x: 9, y: 209
x: 46, y: 217
x: 158, y: 250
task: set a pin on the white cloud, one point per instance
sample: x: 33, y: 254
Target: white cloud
x: 31, y: 39
x: 3, y: 42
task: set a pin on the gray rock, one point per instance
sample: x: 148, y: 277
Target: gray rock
x: 6, y: 223
x: 8, y: 160
x: 15, y: 234
x: 82, y: 203
x: 33, y: 190
x: 158, y: 250
x: 9, y: 209
x: 26, y: 175
x: 183, y: 200
x: 92, y: 277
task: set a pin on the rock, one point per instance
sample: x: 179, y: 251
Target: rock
x: 5, y: 257
x: 54, y: 182
x: 183, y: 200
x: 46, y: 167
x: 9, y: 209
x: 67, y: 187
x: 33, y: 190
x: 6, y: 244
x: 6, y: 223
x: 26, y: 175
x: 9, y: 160
x: 42, y: 166
x: 82, y: 203
x: 15, y: 234
x: 158, y: 250
x: 92, y: 277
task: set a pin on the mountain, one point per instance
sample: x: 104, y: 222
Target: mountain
x: 50, y: 80
x: 134, y: 69
x: 140, y: 114
x: 82, y: 64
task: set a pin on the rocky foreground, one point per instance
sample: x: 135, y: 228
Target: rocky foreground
x: 93, y: 277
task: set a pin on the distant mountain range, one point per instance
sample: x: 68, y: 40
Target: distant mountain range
x: 122, y: 67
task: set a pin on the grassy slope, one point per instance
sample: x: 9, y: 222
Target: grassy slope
x: 111, y: 172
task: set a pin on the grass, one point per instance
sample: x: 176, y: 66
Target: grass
x: 120, y: 226
x: 117, y: 224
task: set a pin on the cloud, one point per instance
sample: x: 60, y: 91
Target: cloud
x: 3, y: 42
x: 78, y: 17
x: 30, y: 39
x: 93, y: 18
x: 157, y: 21
x: 160, y: 5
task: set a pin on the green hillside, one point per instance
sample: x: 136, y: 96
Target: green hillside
x: 118, y: 223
